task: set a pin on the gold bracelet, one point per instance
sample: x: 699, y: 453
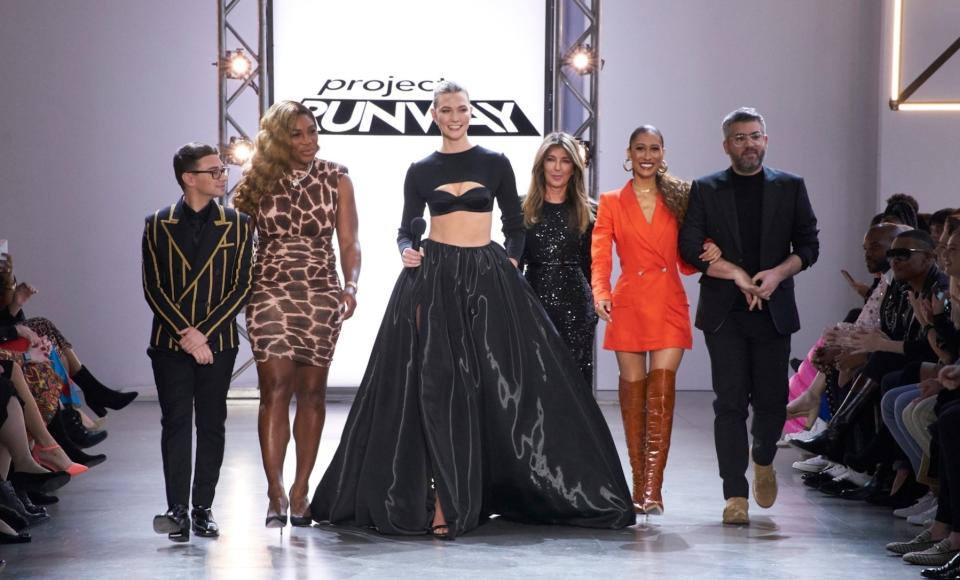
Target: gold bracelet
x: 351, y: 284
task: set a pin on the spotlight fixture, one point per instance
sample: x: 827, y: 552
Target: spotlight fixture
x: 585, y: 148
x: 236, y: 64
x: 583, y: 59
x: 238, y: 151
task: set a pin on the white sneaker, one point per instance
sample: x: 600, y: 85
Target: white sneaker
x: 818, y: 426
x: 855, y: 477
x: 813, y: 465
x: 923, y: 518
x: 923, y: 504
x: 835, y: 470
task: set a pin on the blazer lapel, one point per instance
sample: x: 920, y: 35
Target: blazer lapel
x: 213, y: 238
x: 176, y: 229
x: 631, y: 208
x: 771, y: 205
x: 728, y: 207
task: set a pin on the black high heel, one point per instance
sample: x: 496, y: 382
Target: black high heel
x: 73, y: 426
x: 76, y: 455
x: 302, y: 521
x: 42, y: 482
x: 441, y: 535
x: 278, y: 519
x: 20, y: 538
x: 98, y: 396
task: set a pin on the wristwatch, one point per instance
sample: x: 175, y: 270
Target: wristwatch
x: 26, y: 357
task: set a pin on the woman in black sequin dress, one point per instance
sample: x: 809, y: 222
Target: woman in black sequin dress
x: 558, y: 217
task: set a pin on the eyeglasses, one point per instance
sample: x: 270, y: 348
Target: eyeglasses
x: 214, y: 173
x: 903, y: 254
x: 740, y: 139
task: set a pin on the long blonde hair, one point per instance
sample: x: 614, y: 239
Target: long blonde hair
x: 676, y: 192
x: 271, y: 157
x: 576, y: 189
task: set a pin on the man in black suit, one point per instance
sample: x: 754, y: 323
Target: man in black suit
x: 762, y: 220
x: 196, y: 278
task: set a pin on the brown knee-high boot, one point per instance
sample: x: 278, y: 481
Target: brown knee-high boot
x: 661, y: 396
x: 633, y: 410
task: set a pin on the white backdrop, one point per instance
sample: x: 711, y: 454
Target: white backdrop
x: 355, y: 75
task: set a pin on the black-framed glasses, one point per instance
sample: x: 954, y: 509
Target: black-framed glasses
x: 903, y: 254
x: 740, y: 139
x: 214, y: 173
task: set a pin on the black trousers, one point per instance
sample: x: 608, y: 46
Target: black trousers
x: 182, y: 387
x: 748, y: 361
x: 948, y: 435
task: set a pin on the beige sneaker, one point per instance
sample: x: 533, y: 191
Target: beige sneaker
x: 764, y: 485
x: 735, y: 512
x: 936, y: 555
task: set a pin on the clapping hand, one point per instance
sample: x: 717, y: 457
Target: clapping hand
x: 929, y: 388
x: 23, y: 293
x: 858, y: 287
x: 867, y: 341
x: 950, y: 376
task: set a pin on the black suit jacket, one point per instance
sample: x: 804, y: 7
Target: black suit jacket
x: 207, y: 292
x: 789, y: 226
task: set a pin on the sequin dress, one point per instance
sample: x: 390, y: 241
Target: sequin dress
x: 556, y: 262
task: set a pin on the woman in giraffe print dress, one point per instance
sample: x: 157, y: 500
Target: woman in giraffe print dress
x: 298, y: 304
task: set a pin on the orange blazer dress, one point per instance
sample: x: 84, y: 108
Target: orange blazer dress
x: 649, y: 305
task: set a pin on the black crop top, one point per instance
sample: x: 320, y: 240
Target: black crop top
x: 479, y: 165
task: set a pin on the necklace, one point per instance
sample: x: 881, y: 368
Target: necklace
x: 641, y: 189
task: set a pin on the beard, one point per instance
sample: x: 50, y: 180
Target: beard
x: 748, y: 166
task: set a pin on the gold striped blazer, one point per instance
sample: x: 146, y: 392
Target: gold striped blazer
x: 206, y: 293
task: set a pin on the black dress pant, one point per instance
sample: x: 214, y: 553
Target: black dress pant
x: 948, y: 435
x: 748, y: 361
x: 182, y: 387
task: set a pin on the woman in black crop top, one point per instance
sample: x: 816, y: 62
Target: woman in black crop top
x: 470, y: 404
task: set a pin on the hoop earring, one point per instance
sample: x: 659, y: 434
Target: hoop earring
x: 627, y: 166
x: 662, y: 170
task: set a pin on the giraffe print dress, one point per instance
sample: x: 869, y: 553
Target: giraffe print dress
x: 294, y: 310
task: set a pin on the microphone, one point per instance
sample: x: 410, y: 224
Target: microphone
x: 418, y: 225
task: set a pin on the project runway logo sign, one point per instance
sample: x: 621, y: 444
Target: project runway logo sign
x: 362, y: 107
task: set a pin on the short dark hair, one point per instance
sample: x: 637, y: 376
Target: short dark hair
x: 877, y: 219
x: 900, y: 210
x: 742, y: 115
x: 939, y: 217
x: 919, y: 236
x: 186, y: 157
x: 905, y: 198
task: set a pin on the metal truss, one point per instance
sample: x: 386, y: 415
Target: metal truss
x: 572, y: 97
x: 242, y: 25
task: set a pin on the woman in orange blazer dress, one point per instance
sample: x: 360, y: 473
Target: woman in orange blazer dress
x: 647, y: 314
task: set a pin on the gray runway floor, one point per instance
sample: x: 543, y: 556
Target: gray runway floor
x: 102, y: 526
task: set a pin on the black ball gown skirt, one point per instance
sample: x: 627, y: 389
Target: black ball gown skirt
x: 472, y: 395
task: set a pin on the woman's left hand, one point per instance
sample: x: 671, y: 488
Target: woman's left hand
x: 348, y: 302
x: 711, y: 252
x: 921, y: 308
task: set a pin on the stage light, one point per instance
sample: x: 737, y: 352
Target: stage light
x: 238, y: 151
x: 927, y: 106
x: 582, y: 58
x: 237, y: 65
x: 896, y: 54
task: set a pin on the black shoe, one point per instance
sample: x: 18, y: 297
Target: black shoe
x: 815, y: 480
x: 20, y: 538
x: 8, y: 498
x: 44, y: 482
x: 837, y: 487
x: 175, y: 523
x: 76, y: 455
x: 818, y: 444
x: 31, y: 507
x: 948, y: 571
x: 98, y: 396
x: 73, y: 425
x: 203, y: 523
x: 13, y: 519
x: 875, y: 486
x: 907, y: 495
x: 40, y: 498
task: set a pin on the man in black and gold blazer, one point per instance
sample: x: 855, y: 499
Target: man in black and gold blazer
x: 196, y: 278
